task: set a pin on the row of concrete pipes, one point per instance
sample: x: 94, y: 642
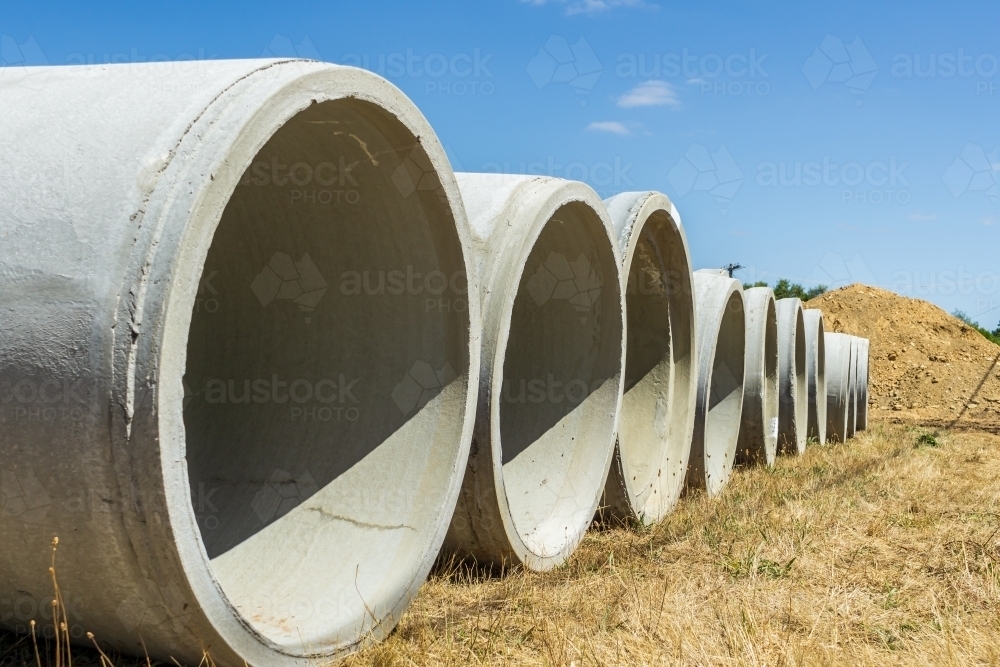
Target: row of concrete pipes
x: 265, y: 357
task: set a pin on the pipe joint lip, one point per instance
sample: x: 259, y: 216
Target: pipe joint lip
x: 549, y: 273
x: 657, y: 419
x: 759, y: 428
x: 721, y: 329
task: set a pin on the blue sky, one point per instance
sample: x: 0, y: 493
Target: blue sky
x: 822, y: 142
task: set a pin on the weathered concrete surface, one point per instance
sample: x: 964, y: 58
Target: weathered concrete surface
x: 793, y: 383
x: 758, y: 440
x: 838, y: 385
x: 816, y: 372
x: 852, y: 397
x: 657, y: 415
x: 247, y: 439
x: 553, y: 352
x: 721, y: 330
x: 863, y: 352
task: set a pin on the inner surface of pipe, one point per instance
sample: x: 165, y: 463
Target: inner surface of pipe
x: 647, y: 476
x: 326, y: 374
x: 863, y: 379
x: 561, y: 369
x: 726, y: 395
x: 793, y: 411
x: 759, y: 428
x: 852, y: 395
x: 721, y: 357
x: 838, y: 363
x: 816, y: 362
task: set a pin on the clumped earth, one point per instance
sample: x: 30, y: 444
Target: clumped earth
x: 927, y: 367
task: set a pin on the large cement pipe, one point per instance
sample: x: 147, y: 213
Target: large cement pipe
x: 838, y: 385
x: 721, y: 330
x: 237, y: 357
x: 793, y: 381
x: 759, y: 428
x: 852, y: 399
x: 816, y: 373
x: 863, y: 355
x: 550, y: 388
x: 657, y: 415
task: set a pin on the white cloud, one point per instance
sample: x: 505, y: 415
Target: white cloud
x: 697, y: 81
x: 612, y: 126
x: 922, y: 217
x: 590, y: 6
x: 651, y: 93
x: 989, y: 221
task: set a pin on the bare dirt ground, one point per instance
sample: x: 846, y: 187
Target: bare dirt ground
x: 927, y: 367
x: 881, y: 551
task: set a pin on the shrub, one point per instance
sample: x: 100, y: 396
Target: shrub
x: 785, y: 288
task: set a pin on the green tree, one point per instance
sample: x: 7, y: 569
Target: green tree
x: 784, y: 288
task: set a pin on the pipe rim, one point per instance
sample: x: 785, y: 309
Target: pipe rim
x: 638, y: 212
x: 758, y: 440
x: 720, y: 311
x: 816, y: 360
x: 502, y: 276
x: 315, y: 83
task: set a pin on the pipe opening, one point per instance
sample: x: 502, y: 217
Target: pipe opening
x: 645, y: 415
x: 561, y: 373
x: 326, y: 376
x: 725, y: 406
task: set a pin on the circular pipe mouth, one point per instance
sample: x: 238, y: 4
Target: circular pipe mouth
x: 863, y: 384
x: 759, y: 428
x: 647, y: 475
x: 852, y: 398
x: 721, y: 328
x: 557, y: 385
x: 327, y: 408
x: 793, y: 410
x: 838, y: 362
x: 816, y: 362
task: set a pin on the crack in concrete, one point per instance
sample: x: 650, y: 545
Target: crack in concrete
x: 361, y: 524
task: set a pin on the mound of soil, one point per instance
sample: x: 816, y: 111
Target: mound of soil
x: 926, y: 366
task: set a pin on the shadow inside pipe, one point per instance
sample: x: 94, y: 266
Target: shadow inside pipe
x: 326, y: 374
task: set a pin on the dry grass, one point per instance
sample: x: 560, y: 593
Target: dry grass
x: 884, y: 551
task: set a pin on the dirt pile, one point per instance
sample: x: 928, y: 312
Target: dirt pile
x: 926, y: 366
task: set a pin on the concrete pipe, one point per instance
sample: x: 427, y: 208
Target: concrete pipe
x: 721, y: 330
x: 816, y: 373
x: 233, y: 384
x: 550, y: 387
x: 838, y: 385
x: 657, y: 415
x: 793, y: 378
x: 852, y: 394
x: 863, y: 356
x: 759, y: 428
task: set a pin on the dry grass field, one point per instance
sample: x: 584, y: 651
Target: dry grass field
x: 884, y: 551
